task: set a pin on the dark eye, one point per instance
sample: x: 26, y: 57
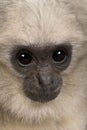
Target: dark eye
x: 60, y: 55
x: 24, y: 57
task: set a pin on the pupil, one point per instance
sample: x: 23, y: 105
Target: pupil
x: 59, y: 56
x: 24, y: 58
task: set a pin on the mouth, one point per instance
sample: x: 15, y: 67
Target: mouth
x: 42, y: 96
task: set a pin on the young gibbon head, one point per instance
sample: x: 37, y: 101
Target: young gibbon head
x: 42, y: 60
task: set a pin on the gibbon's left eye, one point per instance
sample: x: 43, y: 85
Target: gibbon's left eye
x: 60, y: 55
x: 24, y: 57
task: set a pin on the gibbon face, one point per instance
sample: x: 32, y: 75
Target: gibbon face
x: 41, y: 68
x: 42, y: 48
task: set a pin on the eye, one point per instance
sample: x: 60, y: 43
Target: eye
x: 24, y: 57
x: 60, y: 55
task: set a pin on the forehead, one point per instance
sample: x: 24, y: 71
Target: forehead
x: 37, y: 21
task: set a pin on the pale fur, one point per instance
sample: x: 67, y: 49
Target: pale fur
x: 44, y: 22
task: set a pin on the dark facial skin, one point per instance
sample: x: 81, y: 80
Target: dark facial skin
x: 41, y: 68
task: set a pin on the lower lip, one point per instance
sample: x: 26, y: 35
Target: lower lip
x: 43, y: 97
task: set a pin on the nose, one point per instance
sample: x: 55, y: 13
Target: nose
x: 47, y: 79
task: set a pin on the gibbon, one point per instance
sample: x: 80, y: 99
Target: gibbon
x: 43, y: 64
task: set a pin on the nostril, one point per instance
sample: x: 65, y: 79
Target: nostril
x: 40, y: 81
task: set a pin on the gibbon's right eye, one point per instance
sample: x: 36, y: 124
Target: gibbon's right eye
x: 24, y: 57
